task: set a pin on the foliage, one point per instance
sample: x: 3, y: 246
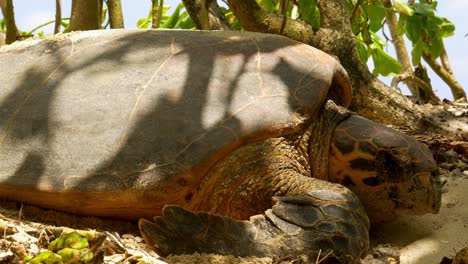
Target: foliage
x: 308, y: 10
x: 367, y: 21
x: 178, y: 19
x: 3, y: 24
x: 418, y: 22
x: 231, y: 19
x: 71, y: 246
x: 425, y: 30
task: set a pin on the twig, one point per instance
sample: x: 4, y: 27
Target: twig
x: 325, y: 257
x: 157, y: 9
x: 318, y: 256
x: 58, y: 16
x: 355, y: 8
x: 387, y: 39
x: 409, y: 77
x: 20, y: 213
x: 282, y: 12
x: 457, y: 90
x: 445, y: 61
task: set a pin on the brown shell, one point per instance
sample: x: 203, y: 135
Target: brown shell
x: 137, y: 118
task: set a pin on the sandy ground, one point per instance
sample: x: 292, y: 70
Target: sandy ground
x: 419, y: 239
x: 427, y: 239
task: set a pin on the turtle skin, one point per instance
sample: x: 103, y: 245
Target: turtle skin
x: 262, y: 200
x: 266, y: 198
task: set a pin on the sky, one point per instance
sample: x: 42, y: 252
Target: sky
x: 30, y: 14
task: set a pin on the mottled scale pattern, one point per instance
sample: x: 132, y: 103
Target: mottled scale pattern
x: 387, y: 169
x: 305, y: 216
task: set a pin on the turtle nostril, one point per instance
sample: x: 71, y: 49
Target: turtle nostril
x: 443, y: 182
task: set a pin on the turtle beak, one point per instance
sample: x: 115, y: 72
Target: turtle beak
x: 422, y: 201
x: 429, y: 177
x: 437, y: 192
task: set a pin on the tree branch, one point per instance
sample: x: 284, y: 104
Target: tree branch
x: 254, y: 18
x: 445, y: 61
x: 404, y: 59
x: 423, y: 84
x: 409, y: 78
x: 400, y: 47
x: 85, y: 15
x: 449, y: 79
x: 206, y: 14
x: 9, y: 16
x: 115, y: 14
x: 217, y: 19
x: 355, y: 9
x: 335, y: 37
x: 58, y: 16
x: 156, y: 12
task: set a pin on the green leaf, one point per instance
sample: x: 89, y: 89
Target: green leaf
x: 104, y: 13
x: 440, y: 27
x: 310, y: 12
x: 448, y: 28
x: 402, y: 8
x: 366, y: 35
x: 65, y: 22
x: 376, y: 14
x: 268, y: 5
x: 3, y: 25
x: 377, y: 39
x: 401, y: 27
x: 356, y: 23
x: 232, y: 20
x: 173, y: 19
x: 76, y: 241
x: 424, y: 9
x: 436, y: 47
x: 186, y: 23
x: 47, y: 257
x: 71, y: 255
x: 384, y: 63
x: 143, y: 22
x: 70, y: 240
x: 56, y: 244
x: 416, y: 53
x: 362, y: 50
x: 414, y: 27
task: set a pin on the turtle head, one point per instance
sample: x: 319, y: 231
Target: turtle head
x: 392, y: 173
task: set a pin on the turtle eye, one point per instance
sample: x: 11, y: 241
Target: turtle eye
x: 372, y: 181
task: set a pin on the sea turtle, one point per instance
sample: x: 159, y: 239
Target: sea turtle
x: 231, y: 139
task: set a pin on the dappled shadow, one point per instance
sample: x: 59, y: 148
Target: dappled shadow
x: 149, y: 112
x: 25, y: 112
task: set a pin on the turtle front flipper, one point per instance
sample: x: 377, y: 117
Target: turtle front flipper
x: 181, y: 231
x: 321, y: 221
